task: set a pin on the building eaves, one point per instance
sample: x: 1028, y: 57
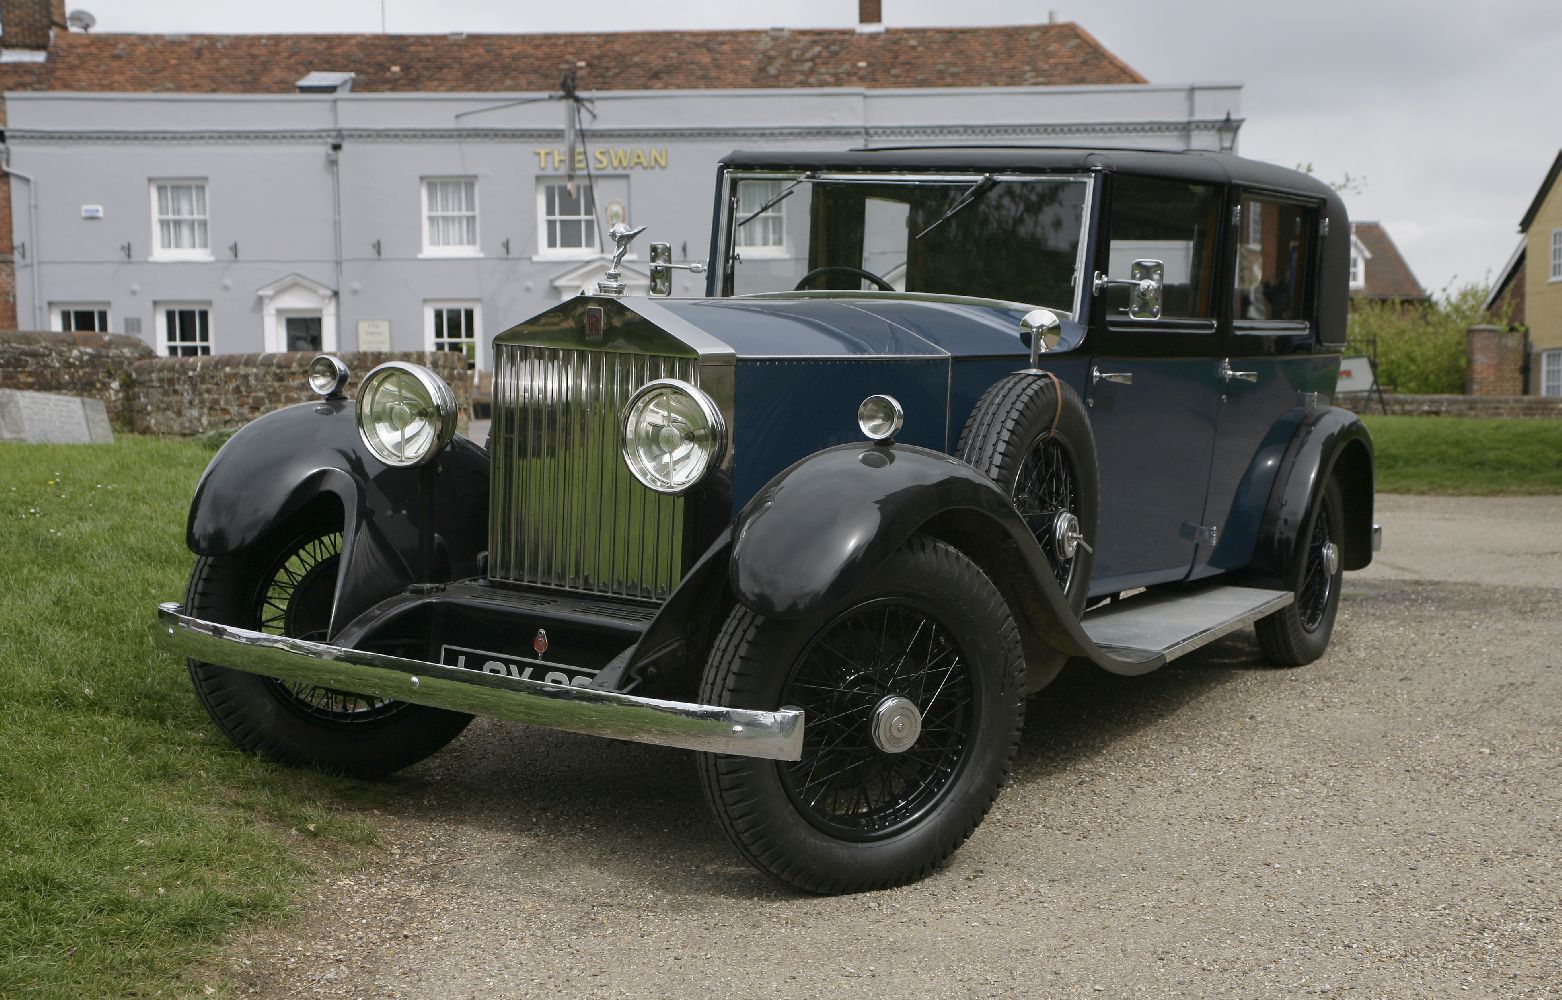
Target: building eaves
x: 1505, y: 276
x: 1540, y: 196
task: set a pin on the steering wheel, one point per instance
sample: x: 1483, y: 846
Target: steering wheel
x: 859, y: 272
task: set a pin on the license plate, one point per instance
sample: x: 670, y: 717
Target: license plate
x: 524, y: 668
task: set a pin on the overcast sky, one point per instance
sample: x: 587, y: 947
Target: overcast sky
x: 1447, y: 113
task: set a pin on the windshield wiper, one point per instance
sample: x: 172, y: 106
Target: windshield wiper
x: 786, y: 193
x: 972, y: 194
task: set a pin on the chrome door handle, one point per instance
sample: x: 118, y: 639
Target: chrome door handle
x: 1121, y: 378
x: 1225, y: 371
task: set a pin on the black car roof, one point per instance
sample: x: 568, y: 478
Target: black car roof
x: 1202, y: 165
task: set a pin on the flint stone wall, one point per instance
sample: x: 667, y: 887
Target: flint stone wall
x: 185, y: 396
x: 1400, y: 404
x: 95, y: 365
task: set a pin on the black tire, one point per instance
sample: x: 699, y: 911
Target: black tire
x: 1299, y: 632
x: 917, y: 804
x: 285, y: 586
x: 1039, y: 449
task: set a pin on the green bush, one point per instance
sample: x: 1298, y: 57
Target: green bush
x: 1420, y: 348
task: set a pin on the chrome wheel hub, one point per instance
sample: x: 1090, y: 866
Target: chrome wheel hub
x: 896, y: 724
x: 1066, y: 535
x: 1331, y: 558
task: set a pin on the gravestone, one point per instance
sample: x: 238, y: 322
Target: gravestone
x: 43, y: 418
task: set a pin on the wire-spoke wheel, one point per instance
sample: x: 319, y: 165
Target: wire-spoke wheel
x: 912, y: 700
x: 1299, y: 632
x: 295, y: 599
x: 1046, y: 493
x: 286, y: 586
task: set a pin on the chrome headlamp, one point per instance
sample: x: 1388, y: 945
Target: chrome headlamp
x: 327, y: 376
x: 406, y: 413
x: 673, y: 434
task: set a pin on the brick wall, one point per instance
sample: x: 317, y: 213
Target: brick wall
x: 74, y: 364
x: 1496, y: 362
x: 1400, y: 404
x: 182, y: 396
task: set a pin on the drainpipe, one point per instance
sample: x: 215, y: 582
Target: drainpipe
x: 32, y: 232
x: 335, y: 158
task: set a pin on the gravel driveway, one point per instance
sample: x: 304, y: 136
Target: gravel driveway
x: 1384, y: 823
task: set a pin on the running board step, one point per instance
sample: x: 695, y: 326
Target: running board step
x: 1172, y: 623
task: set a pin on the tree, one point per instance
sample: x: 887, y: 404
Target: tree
x: 1420, y: 348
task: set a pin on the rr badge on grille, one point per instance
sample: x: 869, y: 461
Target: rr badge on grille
x: 540, y: 642
x: 593, y: 324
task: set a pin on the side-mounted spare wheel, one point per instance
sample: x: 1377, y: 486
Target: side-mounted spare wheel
x: 284, y: 585
x: 1029, y: 433
x: 913, y: 694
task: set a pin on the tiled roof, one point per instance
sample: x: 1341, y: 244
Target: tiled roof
x: 1026, y: 55
x: 1387, y: 275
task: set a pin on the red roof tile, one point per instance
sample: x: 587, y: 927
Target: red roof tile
x: 1388, y: 276
x: 1026, y: 55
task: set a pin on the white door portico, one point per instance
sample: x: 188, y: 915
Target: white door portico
x: 296, y: 297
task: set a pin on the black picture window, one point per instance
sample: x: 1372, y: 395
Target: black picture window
x: 83, y: 318
x: 1173, y: 222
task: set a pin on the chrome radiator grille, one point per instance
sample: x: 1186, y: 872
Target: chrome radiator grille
x: 565, y: 511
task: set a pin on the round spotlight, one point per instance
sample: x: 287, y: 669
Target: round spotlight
x: 327, y: 376
x: 880, y: 417
x: 406, y: 413
x: 673, y: 434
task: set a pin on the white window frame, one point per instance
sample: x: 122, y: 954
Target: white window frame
x: 473, y: 249
x: 777, y: 212
x: 1556, y: 255
x: 1551, y: 373
x: 160, y: 320
x: 57, y: 311
x: 476, y: 305
x: 160, y: 252
x: 1358, y: 270
x: 545, y: 252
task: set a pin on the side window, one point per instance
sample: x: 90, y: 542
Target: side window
x: 1170, y: 221
x: 1272, y: 280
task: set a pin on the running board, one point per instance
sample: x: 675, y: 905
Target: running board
x: 1171, y: 623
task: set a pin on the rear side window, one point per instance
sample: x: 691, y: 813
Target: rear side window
x: 1274, y: 258
x: 1169, y: 221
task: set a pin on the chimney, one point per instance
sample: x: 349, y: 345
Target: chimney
x: 870, y: 16
x: 28, y: 24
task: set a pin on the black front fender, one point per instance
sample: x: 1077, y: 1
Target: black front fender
x: 823, y: 526
x: 287, y: 461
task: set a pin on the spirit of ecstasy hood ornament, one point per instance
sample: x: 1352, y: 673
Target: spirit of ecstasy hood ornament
x: 612, y: 282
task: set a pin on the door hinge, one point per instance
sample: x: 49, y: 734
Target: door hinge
x: 1203, y: 534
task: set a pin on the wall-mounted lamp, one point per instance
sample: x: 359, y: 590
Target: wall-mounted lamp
x: 124, y: 248
x: 233, y: 248
x: 506, y: 244
x: 1227, y: 131
x: 21, y: 251
x: 376, y: 246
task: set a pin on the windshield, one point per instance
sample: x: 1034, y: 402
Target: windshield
x: 1011, y: 238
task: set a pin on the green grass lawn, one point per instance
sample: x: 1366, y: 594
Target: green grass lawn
x: 131, y: 835
x: 1466, y: 455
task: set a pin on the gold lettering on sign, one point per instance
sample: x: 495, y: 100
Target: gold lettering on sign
x: 607, y: 158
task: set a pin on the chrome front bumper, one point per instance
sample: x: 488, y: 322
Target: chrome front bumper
x: 712, y: 728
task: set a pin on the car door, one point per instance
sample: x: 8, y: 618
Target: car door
x: 1268, y: 370
x: 1151, y: 401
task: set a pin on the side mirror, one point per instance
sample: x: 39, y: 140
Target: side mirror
x: 1145, y: 300
x: 662, y: 268
x: 1146, y: 279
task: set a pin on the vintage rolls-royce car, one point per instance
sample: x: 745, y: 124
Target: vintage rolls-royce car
x: 944, y: 420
